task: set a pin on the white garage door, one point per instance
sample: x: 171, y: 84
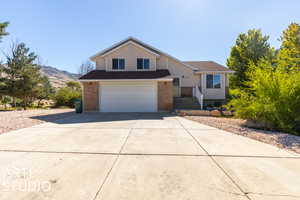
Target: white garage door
x: 128, y: 97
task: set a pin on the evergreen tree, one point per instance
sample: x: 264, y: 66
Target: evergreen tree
x: 44, y: 90
x: 22, y: 74
x: 289, y: 52
x: 2, y: 29
x: 2, y: 84
x: 249, y: 48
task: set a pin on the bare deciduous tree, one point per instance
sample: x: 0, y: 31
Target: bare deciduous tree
x: 85, y: 67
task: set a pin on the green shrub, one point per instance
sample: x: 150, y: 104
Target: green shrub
x: 273, y: 98
x: 5, y: 100
x: 66, y: 97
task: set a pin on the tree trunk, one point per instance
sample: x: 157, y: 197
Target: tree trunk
x: 14, y: 102
x: 25, y: 103
x: 39, y: 102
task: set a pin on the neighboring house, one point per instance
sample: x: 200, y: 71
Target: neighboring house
x: 132, y: 76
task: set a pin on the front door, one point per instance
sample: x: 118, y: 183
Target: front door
x: 176, y: 87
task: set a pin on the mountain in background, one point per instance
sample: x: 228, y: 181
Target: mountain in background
x: 58, y: 78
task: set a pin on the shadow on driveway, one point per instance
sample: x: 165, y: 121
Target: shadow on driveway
x: 54, y: 117
x: 72, y: 117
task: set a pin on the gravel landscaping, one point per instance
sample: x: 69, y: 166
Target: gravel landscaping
x: 12, y: 120
x: 282, y: 140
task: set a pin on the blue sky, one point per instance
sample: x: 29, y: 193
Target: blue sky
x: 64, y: 33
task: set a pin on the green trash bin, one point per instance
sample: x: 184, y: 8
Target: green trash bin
x: 78, y: 106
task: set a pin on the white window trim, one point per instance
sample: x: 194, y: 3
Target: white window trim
x: 112, y: 69
x: 213, y: 80
x: 143, y: 64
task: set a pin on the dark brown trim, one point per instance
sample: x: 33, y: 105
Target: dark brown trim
x: 186, y: 91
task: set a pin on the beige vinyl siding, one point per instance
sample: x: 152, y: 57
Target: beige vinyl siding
x: 130, y: 53
x: 100, y: 63
x: 213, y: 93
x: 177, y: 69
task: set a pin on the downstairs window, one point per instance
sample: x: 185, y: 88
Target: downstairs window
x: 213, y: 81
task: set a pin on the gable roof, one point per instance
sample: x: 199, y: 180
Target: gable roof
x: 204, y: 66
x: 126, y: 43
x: 142, y: 44
x: 121, y: 43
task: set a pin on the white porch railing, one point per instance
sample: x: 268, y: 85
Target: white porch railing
x: 199, y: 96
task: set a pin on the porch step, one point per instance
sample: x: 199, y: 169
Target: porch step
x: 185, y: 100
x: 186, y: 103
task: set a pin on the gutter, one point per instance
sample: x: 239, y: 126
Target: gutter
x: 201, y: 72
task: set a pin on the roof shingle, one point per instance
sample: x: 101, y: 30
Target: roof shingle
x: 207, y: 66
x: 101, y: 74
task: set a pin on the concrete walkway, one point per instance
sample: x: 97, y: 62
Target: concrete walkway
x: 141, y: 157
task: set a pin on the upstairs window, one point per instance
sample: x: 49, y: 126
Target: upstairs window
x: 213, y: 81
x: 143, y: 63
x: 118, y: 63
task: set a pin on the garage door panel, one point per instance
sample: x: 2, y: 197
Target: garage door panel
x: 128, y: 98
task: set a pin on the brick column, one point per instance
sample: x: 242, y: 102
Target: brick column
x: 165, y: 95
x: 90, y: 96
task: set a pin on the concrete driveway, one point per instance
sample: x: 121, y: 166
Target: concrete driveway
x: 141, y: 156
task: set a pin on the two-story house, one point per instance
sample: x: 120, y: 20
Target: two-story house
x: 132, y: 76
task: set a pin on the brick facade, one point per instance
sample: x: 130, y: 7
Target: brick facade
x: 90, y: 96
x: 165, y: 95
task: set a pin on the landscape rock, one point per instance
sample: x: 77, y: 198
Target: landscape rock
x: 238, y: 126
x: 12, y: 120
x: 258, y: 124
x: 194, y: 112
x: 227, y: 113
x: 215, y: 113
